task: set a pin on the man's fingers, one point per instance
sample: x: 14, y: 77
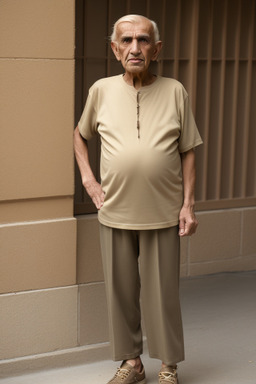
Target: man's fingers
x: 187, y: 227
x: 98, y: 200
x: 96, y: 193
x: 182, y: 227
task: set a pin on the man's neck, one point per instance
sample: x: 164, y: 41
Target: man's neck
x: 138, y: 80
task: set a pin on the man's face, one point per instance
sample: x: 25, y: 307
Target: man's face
x: 135, y: 46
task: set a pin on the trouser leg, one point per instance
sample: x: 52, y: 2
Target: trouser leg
x: 159, y: 271
x: 119, y: 250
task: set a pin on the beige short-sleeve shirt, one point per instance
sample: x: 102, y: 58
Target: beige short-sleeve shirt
x: 141, y: 176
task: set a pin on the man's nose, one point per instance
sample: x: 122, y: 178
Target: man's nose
x: 135, y: 47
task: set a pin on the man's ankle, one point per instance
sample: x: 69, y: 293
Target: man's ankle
x: 135, y: 363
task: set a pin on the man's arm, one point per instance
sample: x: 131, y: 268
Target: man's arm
x: 93, y: 188
x: 187, y: 219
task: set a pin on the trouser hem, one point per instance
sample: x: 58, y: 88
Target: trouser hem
x: 166, y: 361
x: 127, y: 356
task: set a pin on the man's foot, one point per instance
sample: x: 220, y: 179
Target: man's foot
x: 168, y: 375
x: 127, y: 374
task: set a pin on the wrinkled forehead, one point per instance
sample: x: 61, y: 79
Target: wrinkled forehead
x: 127, y: 28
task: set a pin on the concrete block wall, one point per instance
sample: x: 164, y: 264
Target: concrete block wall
x: 225, y: 242
x: 93, y: 322
x: 38, y: 291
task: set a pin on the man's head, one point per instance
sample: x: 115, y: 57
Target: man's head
x: 135, y: 42
x: 134, y: 19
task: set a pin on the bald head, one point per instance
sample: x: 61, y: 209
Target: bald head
x: 135, y: 19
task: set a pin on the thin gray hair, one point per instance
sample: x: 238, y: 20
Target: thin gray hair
x: 134, y: 19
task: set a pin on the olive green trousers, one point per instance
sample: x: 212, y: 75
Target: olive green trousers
x: 143, y: 267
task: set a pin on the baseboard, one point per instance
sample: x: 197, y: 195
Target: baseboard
x: 57, y: 359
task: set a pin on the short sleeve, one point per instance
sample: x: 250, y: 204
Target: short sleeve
x: 189, y: 136
x: 87, y: 124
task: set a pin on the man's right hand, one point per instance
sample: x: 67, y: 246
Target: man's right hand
x: 94, y: 190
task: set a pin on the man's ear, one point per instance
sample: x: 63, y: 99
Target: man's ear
x: 115, y: 50
x: 157, y: 50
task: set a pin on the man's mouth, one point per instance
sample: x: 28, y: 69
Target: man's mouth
x: 135, y: 60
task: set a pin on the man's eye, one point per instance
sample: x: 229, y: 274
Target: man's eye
x: 143, y: 40
x: 126, y: 40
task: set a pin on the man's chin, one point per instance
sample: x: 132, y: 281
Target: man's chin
x: 136, y: 68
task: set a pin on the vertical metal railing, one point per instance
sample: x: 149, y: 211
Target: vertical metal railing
x: 210, y: 46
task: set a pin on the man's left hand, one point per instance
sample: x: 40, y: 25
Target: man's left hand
x: 187, y: 221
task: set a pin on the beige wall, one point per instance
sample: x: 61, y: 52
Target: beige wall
x: 51, y: 281
x: 38, y: 295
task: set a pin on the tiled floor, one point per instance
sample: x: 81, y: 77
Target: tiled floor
x: 219, y: 315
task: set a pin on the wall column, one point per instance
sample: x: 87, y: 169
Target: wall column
x: 38, y: 292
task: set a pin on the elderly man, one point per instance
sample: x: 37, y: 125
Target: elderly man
x: 145, y: 199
